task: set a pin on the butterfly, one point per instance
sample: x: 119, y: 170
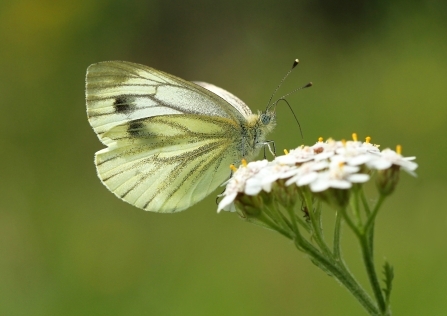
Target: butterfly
x: 169, y: 141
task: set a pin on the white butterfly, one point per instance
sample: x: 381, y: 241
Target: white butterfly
x: 170, y: 142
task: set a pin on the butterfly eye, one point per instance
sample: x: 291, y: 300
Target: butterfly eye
x: 265, y: 118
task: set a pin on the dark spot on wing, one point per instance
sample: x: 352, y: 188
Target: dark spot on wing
x: 135, y: 128
x: 123, y: 104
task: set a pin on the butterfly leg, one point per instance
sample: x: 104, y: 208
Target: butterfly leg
x: 270, y: 144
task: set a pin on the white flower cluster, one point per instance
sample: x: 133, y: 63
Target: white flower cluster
x: 330, y: 164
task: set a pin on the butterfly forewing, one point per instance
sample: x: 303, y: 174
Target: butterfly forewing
x: 119, y: 92
x: 233, y: 100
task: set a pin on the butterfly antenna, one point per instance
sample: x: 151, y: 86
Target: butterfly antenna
x: 295, y: 63
x: 291, y: 110
x: 286, y: 95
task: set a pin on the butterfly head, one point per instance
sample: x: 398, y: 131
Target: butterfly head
x: 267, y: 117
x: 266, y: 122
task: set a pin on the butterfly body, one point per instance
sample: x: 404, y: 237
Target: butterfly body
x: 169, y: 141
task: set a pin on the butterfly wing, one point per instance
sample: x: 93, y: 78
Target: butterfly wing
x: 118, y: 92
x: 170, y: 141
x: 168, y: 163
x: 237, y: 103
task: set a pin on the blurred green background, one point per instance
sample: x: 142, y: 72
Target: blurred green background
x: 70, y: 247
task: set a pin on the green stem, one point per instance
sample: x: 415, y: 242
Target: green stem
x: 350, y: 223
x: 298, y: 238
x: 373, y: 215
x: 277, y: 217
x: 355, y: 204
x: 365, y: 202
x: 365, y: 237
x: 265, y: 222
x: 367, y: 244
x: 315, y: 221
x: 284, y: 218
x: 337, y: 245
x: 304, y: 224
x: 292, y: 215
x: 342, y: 276
x: 369, y: 228
x: 372, y: 275
x: 337, y: 230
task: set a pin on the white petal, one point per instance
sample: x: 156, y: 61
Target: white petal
x: 358, y: 178
x: 307, y: 179
x: 226, y: 201
x: 252, y: 186
x: 379, y: 164
x: 340, y: 184
x: 288, y: 173
x: 409, y: 165
x: 319, y: 186
x: 350, y: 169
x: 267, y: 187
x: 293, y: 179
x: 323, y: 155
x: 360, y: 160
x: 319, y: 165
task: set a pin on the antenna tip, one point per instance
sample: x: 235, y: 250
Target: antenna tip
x: 295, y: 63
x: 310, y: 84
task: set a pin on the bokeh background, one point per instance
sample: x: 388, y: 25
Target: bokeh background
x: 69, y: 247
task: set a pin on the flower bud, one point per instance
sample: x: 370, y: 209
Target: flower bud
x: 249, y: 205
x: 336, y: 198
x: 387, y: 179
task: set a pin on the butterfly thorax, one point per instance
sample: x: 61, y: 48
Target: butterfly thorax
x: 254, y: 133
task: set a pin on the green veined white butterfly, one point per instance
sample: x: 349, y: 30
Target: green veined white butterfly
x: 170, y: 142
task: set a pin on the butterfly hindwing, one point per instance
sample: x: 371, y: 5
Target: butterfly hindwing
x: 167, y: 163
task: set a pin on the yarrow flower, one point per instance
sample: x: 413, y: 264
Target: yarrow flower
x: 338, y: 176
x: 286, y: 195
x: 390, y: 157
x: 238, y: 181
x: 320, y: 169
